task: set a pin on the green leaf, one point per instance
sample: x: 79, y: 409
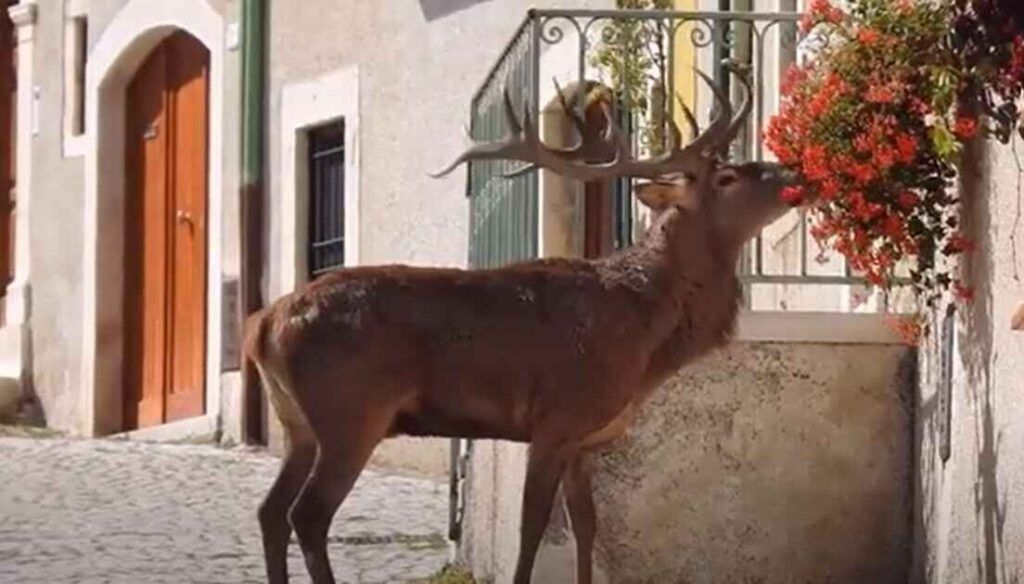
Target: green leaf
x: 945, y: 143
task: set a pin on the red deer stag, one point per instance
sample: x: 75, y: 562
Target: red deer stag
x: 558, y: 353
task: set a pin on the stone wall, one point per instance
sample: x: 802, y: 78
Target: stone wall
x: 770, y: 461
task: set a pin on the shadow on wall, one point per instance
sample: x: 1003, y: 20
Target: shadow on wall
x: 434, y: 9
x: 976, y: 352
x: 925, y: 428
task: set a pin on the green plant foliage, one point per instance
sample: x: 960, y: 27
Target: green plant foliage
x: 631, y: 53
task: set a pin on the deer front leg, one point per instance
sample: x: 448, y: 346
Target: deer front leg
x: 579, y: 500
x: 543, y: 473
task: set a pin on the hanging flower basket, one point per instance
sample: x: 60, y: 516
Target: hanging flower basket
x: 875, y: 122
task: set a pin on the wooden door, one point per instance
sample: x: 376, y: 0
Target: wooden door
x: 165, y: 242
x: 188, y: 66
x: 598, y: 211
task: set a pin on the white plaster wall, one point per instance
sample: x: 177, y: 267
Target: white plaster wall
x: 970, y: 519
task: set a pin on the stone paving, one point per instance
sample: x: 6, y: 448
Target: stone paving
x: 121, y: 512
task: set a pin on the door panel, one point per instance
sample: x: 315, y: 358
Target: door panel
x: 146, y: 257
x: 165, y: 244
x: 187, y: 70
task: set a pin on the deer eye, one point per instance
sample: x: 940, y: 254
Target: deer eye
x: 725, y: 179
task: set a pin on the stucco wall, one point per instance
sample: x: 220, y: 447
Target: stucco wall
x: 766, y: 462
x: 55, y: 233
x: 970, y: 519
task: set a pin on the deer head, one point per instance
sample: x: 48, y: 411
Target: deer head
x: 734, y: 200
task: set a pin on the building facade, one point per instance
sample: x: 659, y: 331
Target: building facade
x: 121, y: 255
x: 121, y: 309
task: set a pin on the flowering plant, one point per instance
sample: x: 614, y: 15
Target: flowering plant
x: 875, y: 123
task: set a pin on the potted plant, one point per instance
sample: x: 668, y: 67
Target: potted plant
x: 875, y: 122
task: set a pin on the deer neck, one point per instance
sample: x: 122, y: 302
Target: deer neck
x: 694, y: 290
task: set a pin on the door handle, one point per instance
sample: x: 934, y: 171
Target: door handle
x: 185, y: 217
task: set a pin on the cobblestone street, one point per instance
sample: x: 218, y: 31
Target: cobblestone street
x: 112, y: 511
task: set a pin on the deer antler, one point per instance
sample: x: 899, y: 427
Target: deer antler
x: 744, y: 113
x: 577, y: 162
x: 592, y: 146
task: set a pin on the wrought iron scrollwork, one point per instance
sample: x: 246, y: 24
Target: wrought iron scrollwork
x: 602, y: 46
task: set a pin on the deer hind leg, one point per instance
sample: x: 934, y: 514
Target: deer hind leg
x: 299, y: 455
x: 273, y: 513
x: 579, y: 500
x: 343, y: 453
x: 543, y: 473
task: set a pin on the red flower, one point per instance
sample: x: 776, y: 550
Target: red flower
x: 880, y: 94
x: 958, y: 244
x: 962, y: 292
x: 868, y: 36
x: 821, y: 11
x: 815, y: 163
x: 965, y: 127
x: 908, y: 200
x: 855, y: 124
x: 864, y: 143
x: 829, y: 13
x: 1017, y: 62
x: 821, y: 231
x: 908, y: 329
x: 795, y: 77
x: 884, y: 157
x: 829, y: 189
x: 906, y: 148
x: 864, y: 210
x: 893, y: 227
x: 792, y: 195
x: 807, y: 22
x: 862, y: 174
x: 919, y: 106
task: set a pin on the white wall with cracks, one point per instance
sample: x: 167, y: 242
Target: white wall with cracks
x: 970, y: 507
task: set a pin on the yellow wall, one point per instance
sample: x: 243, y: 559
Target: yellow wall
x: 685, y: 54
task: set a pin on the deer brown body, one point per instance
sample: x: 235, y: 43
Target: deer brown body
x: 558, y: 353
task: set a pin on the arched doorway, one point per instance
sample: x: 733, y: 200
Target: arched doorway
x: 166, y: 182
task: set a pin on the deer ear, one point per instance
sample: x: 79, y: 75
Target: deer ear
x: 655, y: 195
x: 659, y: 196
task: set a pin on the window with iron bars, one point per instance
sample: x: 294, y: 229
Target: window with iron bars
x: 326, y: 164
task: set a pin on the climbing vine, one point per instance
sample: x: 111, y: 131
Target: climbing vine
x: 631, y: 53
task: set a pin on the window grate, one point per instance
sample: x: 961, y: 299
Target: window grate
x: 326, y: 159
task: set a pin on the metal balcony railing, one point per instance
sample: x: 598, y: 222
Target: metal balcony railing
x: 647, y: 60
